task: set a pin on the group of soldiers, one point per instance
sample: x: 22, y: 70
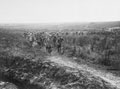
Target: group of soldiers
x: 45, y: 39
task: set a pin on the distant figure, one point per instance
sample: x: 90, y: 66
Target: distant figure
x: 59, y: 44
x: 49, y: 49
x: 54, y: 41
x: 25, y: 35
x: 34, y: 44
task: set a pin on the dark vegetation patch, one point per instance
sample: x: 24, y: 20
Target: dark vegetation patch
x: 46, y: 75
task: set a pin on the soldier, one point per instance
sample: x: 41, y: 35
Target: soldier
x: 25, y: 35
x: 49, y: 48
x: 54, y: 40
x: 31, y: 39
x: 59, y: 44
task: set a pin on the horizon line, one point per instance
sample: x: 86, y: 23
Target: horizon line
x: 58, y: 22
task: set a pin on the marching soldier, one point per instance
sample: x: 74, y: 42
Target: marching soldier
x: 59, y: 44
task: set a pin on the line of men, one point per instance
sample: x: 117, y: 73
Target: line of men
x: 45, y: 39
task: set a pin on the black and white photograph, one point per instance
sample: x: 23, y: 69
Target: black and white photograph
x: 59, y: 44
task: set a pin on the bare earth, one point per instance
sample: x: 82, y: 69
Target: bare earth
x: 66, y: 62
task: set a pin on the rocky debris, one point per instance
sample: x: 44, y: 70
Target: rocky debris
x: 50, y: 76
x: 7, y: 85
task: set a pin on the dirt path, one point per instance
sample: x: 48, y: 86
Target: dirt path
x: 108, y: 77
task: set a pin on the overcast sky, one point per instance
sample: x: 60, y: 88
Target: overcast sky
x: 47, y: 11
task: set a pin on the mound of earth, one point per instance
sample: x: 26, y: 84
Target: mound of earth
x: 7, y: 85
x: 48, y: 75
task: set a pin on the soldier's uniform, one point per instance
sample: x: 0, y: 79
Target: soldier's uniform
x: 59, y: 44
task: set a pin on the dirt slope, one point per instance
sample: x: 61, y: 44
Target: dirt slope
x: 66, y: 62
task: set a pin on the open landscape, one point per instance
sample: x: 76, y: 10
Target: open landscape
x: 60, y: 56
